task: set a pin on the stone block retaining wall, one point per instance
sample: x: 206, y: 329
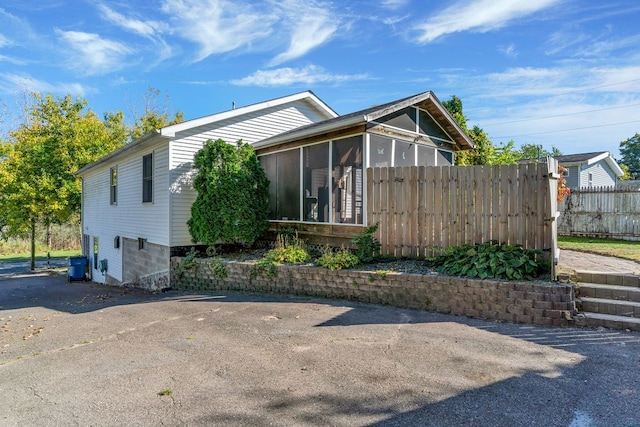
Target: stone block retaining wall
x: 549, y: 304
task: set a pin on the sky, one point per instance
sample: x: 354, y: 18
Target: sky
x: 560, y: 73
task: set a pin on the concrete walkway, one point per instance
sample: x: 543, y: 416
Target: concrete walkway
x: 573, y: 260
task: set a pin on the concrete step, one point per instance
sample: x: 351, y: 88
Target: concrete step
x: 612, y: 292
x: 611, y: 306
x: 607, y: 320
x: 618, y: 279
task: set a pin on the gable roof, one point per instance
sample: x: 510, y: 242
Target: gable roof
x: 168, y: 132
x: 426, y: 100
x: 591, y: 158
x: 202, y: 121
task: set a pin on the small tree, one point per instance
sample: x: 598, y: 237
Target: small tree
x: 37, y: 163
x: 630, y: 152
x: 233, y: 195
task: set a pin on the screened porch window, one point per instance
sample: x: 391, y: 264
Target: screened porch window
x: 283, y: 171
x: 405, y: 154
x: 347, y: 180
x: 304, y: 187
x: 316, y: 182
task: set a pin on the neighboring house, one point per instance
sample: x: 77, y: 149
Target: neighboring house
x: 317, y: 172
x: 588, y: 170
x: 136, y: 201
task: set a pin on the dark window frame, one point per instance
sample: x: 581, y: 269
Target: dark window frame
x: 113, y: 185
x: 147, y: 178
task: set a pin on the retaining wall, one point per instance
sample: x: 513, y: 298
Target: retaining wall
x: 549, y: 304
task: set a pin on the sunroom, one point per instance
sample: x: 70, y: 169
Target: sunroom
x: 318, y: 172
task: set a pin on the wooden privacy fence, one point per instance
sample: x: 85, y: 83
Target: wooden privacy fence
x: 424, y: 209
x: 601, y: 212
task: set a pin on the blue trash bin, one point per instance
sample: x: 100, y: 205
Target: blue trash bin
x: 76, y: 267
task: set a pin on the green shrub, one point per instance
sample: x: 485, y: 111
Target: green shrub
x: 367, y: 246
x: 264, y: 266
x: 490, y: 259
x: 342, y: 258
x: 232, y: 203
x: 188, y: 263
x: 289, y: 250
x: 218, y: 269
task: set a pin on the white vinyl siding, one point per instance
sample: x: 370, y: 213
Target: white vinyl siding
x: 98, y: 220
x: 601, y: 175
x: 249, y: 128
x: 129, y: 218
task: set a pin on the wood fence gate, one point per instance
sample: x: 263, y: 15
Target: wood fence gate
x: 421, y: 210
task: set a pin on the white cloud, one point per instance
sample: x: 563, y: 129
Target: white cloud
x: 478, y: 16
x: 570, y: 106
x: 509, y: 51
x: 11, y: 60
x: 394, y: 4
x: 309, y: 75
x: 217, y: 26
x: 16, y: 83
x: 151, y: 30
x: 147, y: 29
x: 92, y: 54
x: 312, y: 26
x: 4, y: 42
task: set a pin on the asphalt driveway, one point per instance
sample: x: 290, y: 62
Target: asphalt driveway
x: 83, y: 354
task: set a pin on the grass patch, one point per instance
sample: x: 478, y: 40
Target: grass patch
x: 25, y: 256
x: 616, y: 248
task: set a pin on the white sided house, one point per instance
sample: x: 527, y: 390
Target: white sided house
x: 136, y: 201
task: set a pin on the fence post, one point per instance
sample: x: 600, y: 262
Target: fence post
x: 553, y: 214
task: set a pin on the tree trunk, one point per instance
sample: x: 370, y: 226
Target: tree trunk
x: 33, y: 244
x: 49, y: 236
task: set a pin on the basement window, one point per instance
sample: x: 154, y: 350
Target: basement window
x: 142, y: 244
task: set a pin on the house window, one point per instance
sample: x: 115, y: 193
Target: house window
x: 113, y: 181
x: 142, y: 243
x: 347, y: 180
x: 402, y: 119
x: 95, y: 252
x: 426, y: 156
x: 316, y: 182
x: 405, y: 154
x: 590, y: 179
x: 147, y: 178
x: 428, y: 126
x: 283, y: 171
x: 445, y: 158
x: 380, y: 150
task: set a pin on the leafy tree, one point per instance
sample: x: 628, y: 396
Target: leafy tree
x: 233, y: 195
x: 505, y: 154
x: 485, y: 152
x: 154, y: 115
x: 454, y: 106
x: 37, y: 181
x: 536, y: 151
x: 630, y: 152
x: 625, y: 174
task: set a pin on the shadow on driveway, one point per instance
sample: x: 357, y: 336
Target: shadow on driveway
x: 254, y: 359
